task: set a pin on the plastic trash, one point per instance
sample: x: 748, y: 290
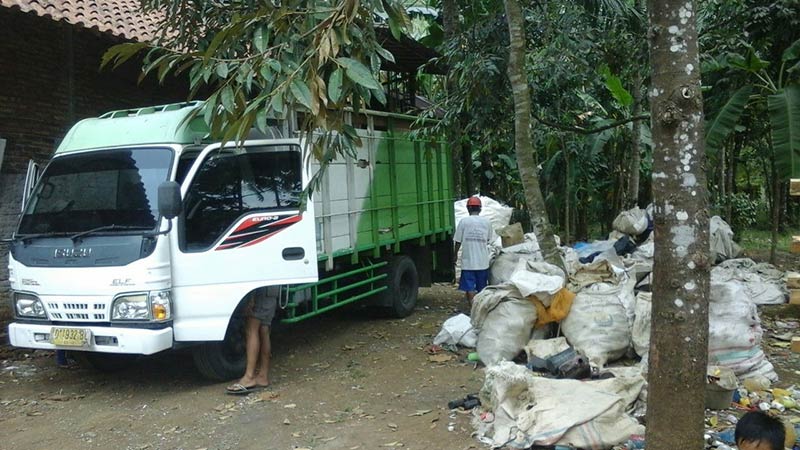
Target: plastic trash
x: 636, y: 442
x: 457, y: 330
x: 756, y: 383
x: 468, y: 402
x: 727, y: 436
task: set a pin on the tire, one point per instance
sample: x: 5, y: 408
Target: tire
x: 223, y: 360
x: 403, y: 282
x: 106, y: 362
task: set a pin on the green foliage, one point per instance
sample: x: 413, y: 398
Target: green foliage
x: 258, y: 60
x: 784, y: 114
x: 614, y: 85
x: 753, y: 240
x: 744, y: 210
x: 727, y: 118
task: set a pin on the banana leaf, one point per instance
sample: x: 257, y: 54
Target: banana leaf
x: 784, y: 117
x: 726, y: 119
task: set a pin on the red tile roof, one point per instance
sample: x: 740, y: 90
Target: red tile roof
x: 121, y: 18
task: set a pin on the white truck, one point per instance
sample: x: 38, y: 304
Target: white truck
x: 141, y: 235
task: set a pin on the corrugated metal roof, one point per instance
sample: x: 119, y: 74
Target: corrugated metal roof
x: 121, y: 18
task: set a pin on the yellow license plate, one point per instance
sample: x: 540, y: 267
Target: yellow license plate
x: 70, y: 337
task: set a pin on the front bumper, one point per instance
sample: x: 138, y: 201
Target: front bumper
x: 104, y: 339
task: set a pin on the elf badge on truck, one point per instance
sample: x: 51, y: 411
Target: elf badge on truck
x: 141, y: 236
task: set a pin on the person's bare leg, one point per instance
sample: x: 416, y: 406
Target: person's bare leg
x: 262, y: 377
x: 470, y: 296
x: 253, y: 350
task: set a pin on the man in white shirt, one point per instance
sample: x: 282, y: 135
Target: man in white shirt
x: 472, y: 237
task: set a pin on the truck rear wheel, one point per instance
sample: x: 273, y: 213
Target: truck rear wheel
x: 224, y: 360
x: 403, y: 282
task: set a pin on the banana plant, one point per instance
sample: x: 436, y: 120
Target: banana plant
x: 781, y: 96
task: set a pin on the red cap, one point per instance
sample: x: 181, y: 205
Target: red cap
x: 474, y: 201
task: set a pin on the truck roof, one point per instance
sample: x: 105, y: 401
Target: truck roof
x: 164, y: 124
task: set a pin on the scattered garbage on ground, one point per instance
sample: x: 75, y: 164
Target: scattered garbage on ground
x: 565, y: 354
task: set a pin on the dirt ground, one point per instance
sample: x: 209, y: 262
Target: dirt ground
x: 344, y: 381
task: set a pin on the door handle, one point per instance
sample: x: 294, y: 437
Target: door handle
x: 293, y: 253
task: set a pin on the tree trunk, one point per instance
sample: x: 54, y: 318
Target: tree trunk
x: 776, y: 209
x: 636, y: 144
x: 526, y: 160
x: 730, y: 176
x: 721, y: 193
x: 450, y: 19
x: 679, y: 336
x: 567, y: 202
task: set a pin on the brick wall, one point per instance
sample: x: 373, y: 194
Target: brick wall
x: 49, y: 79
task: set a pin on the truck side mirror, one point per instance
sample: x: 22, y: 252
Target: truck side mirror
x: 169, y: 199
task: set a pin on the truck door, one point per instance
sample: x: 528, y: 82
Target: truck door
x: 242, y: 227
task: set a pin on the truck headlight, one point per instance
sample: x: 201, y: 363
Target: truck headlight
x: 28, y: 305
x: 131, y: 307
x: 154, y: 305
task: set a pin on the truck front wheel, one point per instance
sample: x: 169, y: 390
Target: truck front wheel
x: 224, y: 360
x: 403, y: 282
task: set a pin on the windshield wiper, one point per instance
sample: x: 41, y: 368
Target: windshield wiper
x: 77, y: 236
x: 28, y: 237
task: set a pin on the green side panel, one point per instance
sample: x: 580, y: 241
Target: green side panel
x: 165, y: 124
x: 410, y: 197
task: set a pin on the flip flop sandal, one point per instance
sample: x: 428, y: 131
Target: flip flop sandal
x: 240, y: 389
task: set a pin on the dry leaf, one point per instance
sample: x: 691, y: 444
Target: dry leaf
x: 440, y: 358
x: 266, y: 396
x: 420, y: 412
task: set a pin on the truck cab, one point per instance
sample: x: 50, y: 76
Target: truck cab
x: 94, y: 265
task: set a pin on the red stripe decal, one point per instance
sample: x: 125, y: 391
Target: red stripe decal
x: 281, y: 224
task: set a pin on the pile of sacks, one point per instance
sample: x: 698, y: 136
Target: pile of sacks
x: 603, y: 307
x: 595, y: 307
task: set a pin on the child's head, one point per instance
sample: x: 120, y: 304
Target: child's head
x: 758, y: 430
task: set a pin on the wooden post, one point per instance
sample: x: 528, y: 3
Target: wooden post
x: 794, y: 187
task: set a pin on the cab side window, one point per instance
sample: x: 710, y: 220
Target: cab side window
x: 231, y: 184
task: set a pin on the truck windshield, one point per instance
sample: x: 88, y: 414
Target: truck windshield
x: 98, y: 189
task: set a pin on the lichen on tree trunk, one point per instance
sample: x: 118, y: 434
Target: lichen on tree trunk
x: 679, y: 336
x: 526, y: 160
